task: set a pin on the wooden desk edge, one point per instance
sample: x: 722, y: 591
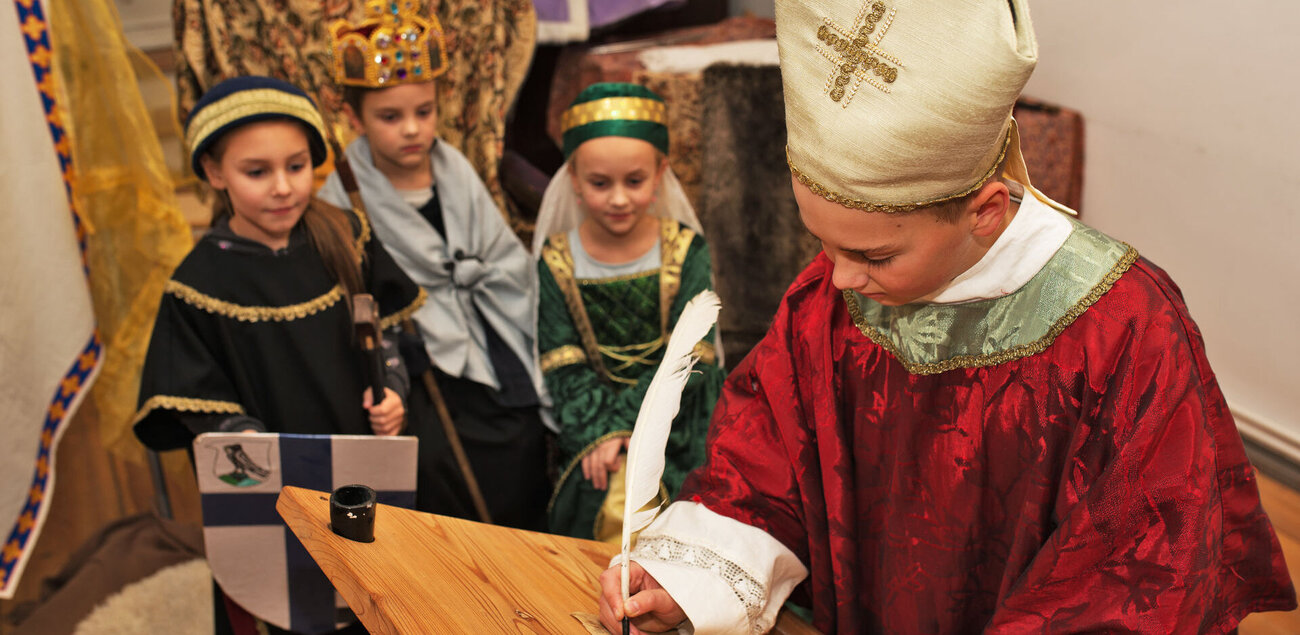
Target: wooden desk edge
x: 290, y: 503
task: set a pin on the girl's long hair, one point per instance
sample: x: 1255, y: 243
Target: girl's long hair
x: 330, y: 232
x: 328, y: 229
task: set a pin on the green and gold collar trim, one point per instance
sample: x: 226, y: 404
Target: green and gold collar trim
x: 596, y: 282
x: 674, y: 243
x: 935, y: 338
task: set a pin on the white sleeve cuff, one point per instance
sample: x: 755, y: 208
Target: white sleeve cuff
x: 727, y: 576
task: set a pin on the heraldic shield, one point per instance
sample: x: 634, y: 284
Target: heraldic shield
x: 257, y: 561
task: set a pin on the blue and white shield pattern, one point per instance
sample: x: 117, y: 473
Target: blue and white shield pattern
x: 257, y: 561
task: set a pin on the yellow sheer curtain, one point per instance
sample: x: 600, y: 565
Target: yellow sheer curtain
x: 136, y: 232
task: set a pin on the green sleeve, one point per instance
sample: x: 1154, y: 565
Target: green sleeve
x: 697, y: 276
x: 586, y: 407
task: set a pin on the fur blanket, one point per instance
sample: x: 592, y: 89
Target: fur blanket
x: 747, y: 207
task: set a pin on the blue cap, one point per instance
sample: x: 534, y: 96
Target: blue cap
x: 241, y: 100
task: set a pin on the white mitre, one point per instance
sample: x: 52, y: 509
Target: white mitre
x: 892, y: 105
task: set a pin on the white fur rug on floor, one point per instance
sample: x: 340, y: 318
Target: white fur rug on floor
x: 176, y: 600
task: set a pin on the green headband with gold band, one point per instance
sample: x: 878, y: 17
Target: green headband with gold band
x: 615, y: 110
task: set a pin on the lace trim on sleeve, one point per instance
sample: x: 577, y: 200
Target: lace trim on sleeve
x: 751, y: 593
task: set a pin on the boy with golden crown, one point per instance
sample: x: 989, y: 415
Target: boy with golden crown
x: 440, y: 223
x: 971, y: 412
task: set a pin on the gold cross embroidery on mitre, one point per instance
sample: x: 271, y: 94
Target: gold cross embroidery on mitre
x: 856, y: 53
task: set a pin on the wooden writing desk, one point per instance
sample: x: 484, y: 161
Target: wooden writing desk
x: 434, y: 574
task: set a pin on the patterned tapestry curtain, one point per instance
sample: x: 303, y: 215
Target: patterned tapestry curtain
x: 490, y: 45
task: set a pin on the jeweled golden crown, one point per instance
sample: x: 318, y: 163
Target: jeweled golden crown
x: 392, y: 45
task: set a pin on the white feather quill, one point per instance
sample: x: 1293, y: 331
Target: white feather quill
x: 663, y: 398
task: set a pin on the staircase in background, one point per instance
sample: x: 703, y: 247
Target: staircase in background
x: 158, y: 93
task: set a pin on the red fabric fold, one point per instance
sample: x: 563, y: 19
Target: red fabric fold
x: 1100, y: 485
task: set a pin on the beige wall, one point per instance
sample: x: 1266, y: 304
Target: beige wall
x: 763, y: 8
x: 1192, y: 156
x: 147, y: 23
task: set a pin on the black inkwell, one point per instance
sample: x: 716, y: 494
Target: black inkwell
x: 352, y: 512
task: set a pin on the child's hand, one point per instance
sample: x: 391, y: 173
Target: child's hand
x: 386, y: 419
x: 598, y: 463
x: 651, y: 608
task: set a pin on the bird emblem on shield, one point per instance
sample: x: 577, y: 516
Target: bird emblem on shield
x: 241, y: 464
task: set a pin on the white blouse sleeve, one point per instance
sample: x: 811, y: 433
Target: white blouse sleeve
x: 727, y: 576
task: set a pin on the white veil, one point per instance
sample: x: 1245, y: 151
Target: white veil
x: 561, y: 211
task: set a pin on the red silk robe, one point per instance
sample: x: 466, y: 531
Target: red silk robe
x: 1097, y: 485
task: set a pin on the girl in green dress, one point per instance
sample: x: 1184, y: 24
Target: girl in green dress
x: 621, y: 253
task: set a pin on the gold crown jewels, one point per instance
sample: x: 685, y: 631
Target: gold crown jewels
x: 392, y: 45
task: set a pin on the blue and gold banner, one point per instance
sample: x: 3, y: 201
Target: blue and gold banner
x: 49, y: 347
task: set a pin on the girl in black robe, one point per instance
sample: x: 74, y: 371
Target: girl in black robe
x: 255, y: 330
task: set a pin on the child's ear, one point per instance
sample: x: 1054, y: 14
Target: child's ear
x: 354, y: 119
x: 215, y: 178
x: 989, y: 207
x: 660, y: 169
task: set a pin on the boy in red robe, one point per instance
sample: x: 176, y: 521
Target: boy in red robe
x: 972, y: 413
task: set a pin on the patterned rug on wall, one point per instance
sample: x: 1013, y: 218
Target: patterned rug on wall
x: 746, y: 205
